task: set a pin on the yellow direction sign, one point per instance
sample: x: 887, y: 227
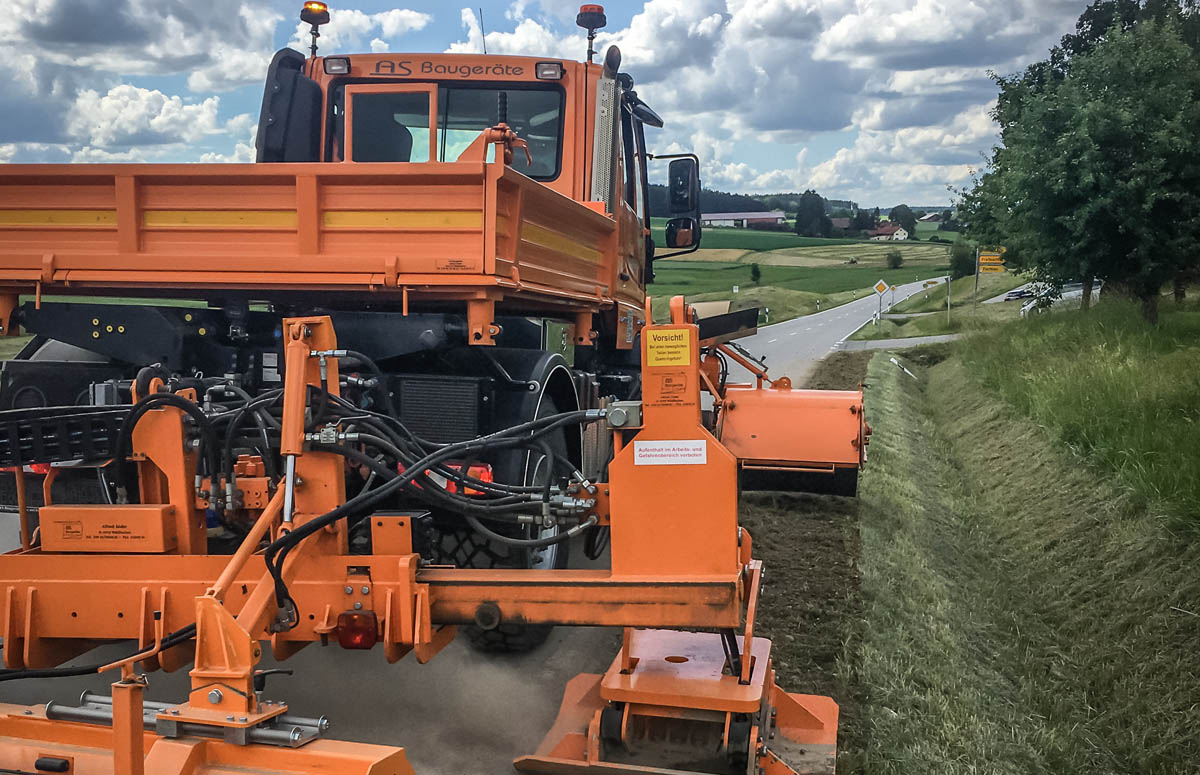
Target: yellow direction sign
x: 990, y: 268
x: 991, y: 258
x: 931, y: 283
x: 881, y: 287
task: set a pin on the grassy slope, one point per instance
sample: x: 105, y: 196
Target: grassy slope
x: 1020, y: 616
x: 961, y: 321
x: 962, y: 291
x: 1124, y: 393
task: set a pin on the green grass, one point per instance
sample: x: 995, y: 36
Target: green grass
x: 962, y: 291
x: 796, y: 288
x: 1021, y: 615
x: 961, y: 321
x: 1123, y: 393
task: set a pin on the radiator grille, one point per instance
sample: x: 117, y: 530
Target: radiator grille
x: 442, y: 409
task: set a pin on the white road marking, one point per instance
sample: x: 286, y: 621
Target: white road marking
x: 772, y: 341
x: 795, y: 332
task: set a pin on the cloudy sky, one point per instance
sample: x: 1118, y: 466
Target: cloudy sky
x: 881, y: 101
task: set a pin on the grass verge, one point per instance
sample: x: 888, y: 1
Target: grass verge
x: 1125, y: 394
x: 1019, y: 616
x: 963, y: 321
x: 962, y: 292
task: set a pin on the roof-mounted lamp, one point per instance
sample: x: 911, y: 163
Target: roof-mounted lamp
x: 315, y: 13
x: 591, y: 18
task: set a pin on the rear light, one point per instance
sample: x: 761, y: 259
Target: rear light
x: 549, y: 71
x: 337, y: 66
x: 481, y: 471
x: 357, y: 629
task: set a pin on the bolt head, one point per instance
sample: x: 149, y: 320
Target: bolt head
x: 366, y: 590
x: 358, y: 606
x: 295, y: 734
x: 349, y: 590
x: 215, y: 696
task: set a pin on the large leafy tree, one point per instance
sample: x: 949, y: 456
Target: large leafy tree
x: 811, y: 220
x: 903, y: 215
x: 1098, y: 171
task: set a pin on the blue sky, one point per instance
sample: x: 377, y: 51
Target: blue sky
x: 880, y: 101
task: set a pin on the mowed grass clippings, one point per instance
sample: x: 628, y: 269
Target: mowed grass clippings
x: 1020, y: 615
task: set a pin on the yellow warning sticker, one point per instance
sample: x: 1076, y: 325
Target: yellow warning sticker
x: 668, y: 347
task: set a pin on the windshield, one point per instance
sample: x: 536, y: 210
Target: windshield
x: 534, y: 114
x: 394, y: 126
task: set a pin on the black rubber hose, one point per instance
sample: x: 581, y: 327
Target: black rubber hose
x: 276, y: 552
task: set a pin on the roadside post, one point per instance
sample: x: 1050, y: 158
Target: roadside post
x: 975, y: 296
x: 989, y: 261
x: 880, y: 288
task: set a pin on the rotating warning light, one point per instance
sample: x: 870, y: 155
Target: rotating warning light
x: 315, y: 13
x: 591, y: 17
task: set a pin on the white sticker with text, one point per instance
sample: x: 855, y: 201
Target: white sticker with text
x: 670, y: 453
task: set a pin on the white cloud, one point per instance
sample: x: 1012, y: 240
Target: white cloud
x: 129, y: 115
x: 7, y: 152
x: 243, y: 150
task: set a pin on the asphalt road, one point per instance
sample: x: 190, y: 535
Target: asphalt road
x: 794, y: 347
x: 463, y: 713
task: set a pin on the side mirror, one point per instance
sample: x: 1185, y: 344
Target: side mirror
x: 684, y: 187
x: 683, y: 233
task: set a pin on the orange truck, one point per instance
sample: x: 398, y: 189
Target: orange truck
x: 477, y: 226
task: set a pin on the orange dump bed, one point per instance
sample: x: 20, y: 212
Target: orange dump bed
x: 461, y: 230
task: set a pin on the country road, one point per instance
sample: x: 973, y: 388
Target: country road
x: 793, y: 348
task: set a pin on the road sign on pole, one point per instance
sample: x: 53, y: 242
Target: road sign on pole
x: 881, y: 287
x: 990, y: 268
x: 991, y: 258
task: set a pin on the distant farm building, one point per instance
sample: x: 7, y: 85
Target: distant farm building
x: 841, y: 223
x: 931, y: 218
x: 743, y: 220
x: 888, y: 232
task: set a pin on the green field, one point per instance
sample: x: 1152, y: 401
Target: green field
x: 748, y: 239
x: 792, y: 283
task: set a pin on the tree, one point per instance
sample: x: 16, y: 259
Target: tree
x: 1098, y: 170
x: 947, y: 216
x: 962, y: 260
x: 755, y: 274
x: 895, y: 259
x: 863, y: 220
x: 811, y: 220
x: 907, y: 219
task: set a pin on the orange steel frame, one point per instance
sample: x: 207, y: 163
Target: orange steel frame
x: 679, y: 560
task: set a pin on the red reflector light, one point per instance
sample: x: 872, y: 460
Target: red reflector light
x: 357, y: 629
x: 591, y: 9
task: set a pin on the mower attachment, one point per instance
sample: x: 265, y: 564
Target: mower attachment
x: 670, y: 704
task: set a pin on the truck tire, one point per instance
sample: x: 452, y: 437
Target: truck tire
x: 515, y: 637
